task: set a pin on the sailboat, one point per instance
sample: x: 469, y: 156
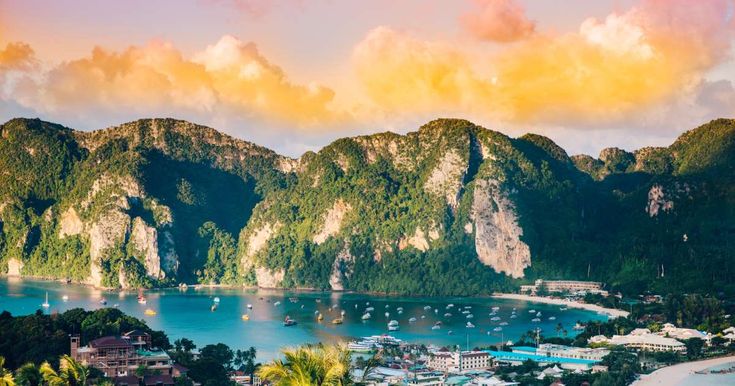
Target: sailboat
x: 46, y: 304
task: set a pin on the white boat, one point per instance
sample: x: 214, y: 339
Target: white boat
x: 496, y: 308
x: 470, y: 316
x: 423, y: 316
x: 250, y: 306
x: 399, y: 308
x: 435, y: 327
x: 277, y: 303
x: 369, y: 309
x: 513, y: 316
x: 366, y: 316
x: 467, y: 307
x: 563, y: 309
x: 538, y: 314
x: 578, y: 327
x: 412, y: 320
x: 45, y: 304
x: 450, y: 305
x: 393, y: 327
x: 387, y: 306
x: 393, y: 323
x: 531, y: 311
x: 536, y: 320
x: 465, y: 312
x: 342, y: 312
x: 498, y: 329
x: 400, y: 312
x: 495, y: 318
x: 216, y: 299
x: 65, y: 298
x: 427, y: 308
x: 436, y: 310
x: 552, y: 317
x: 447, y: 315
x: 503, y: 323
x: 470, y: 325
x: 387, y: 314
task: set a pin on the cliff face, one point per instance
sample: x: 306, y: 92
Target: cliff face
x: 452, y: 208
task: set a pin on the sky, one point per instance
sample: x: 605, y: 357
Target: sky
x: 294, y: 75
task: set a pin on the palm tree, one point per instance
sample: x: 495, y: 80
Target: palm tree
x: 71, y: 373
x: 6, y: 376
x: 28, y: 375
x: 310, y: 366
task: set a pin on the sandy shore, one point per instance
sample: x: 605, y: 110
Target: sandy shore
x: 613, y: 313
x: 674, y: 375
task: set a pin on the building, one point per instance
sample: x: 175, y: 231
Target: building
x: 518, y: 357
x: 671, y: 331
x: 571, y: 286
x: 458, y: 361
x: 121, y: 356
x: 641, y: 339
x: 561, y: 351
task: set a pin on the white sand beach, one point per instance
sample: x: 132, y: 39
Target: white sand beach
x: 677, y: 375
x: 613, y: 313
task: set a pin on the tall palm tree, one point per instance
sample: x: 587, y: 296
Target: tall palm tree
x: 71, y: 373
x: 310, y: 366
x: 28, y: 375
x: 6, y: 376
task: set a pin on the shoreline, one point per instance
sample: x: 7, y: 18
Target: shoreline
x: 611, y: 312
x: 674, y: 375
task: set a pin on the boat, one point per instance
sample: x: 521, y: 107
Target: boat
x: 150, y: 312
x: 498, y: 329
x: 320, y: 317
x: 400, y: 312
x: 342, y: 312
x: 578, y: 327
x: 495, y: 318
x: 470, y: 325
x: 277, y: 303
x: 46, y: 304
x: 536, y: 320
x: 503, y: 324
x: 245, y: 317
x: 412, y: 320
x: 436, y: 327
x: 423, y: 316
x: 465, y: 312
x: 393, y: 323
x: 250, y: 306
x: 387, y: 306
x: 513, y: 316
x: 467, y: 307
x: 393, y: 328
x: 213, y: 307
x: 316, y: 312
x: 366, y: 316
x: 450, y: 332
x: 436, y: 310
x: 470, y: 316
x: 450, y: 305
x: 531, y: 311
x: 563, y: 308
x: 289, y: 322
x: 65, y: 298
x: 447, y: 315
x: 337, y: 321
x: 552, y: 317
x: 293, y: 300
x: 427, y: 308
x: 399, y: 308
x: 387, y: 314
x: 216, y: 299
x: 142, y: 299
x: 538, y: 314
x: 103, y: 301
x: 370, y: 309
x: 496, y: 308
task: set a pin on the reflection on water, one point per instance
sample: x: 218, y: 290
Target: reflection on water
x: 187, y: 314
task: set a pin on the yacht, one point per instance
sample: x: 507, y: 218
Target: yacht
x: 103, y: 301
x: 427, y: 308
x: 65, y: 298
x: 342, y: 312
x: 513, y: 316
x: 498, y: 329
x: 45, y: 304
x: 447, y: 315
x: 423, y: 316
x: 450, y: 305
x: 496, y: 308
x: 578, y: 327
x: 563, y: 308
x: 369, y: 309
x: 503, y: 324
x: 142, y: 299
x: 495, y: 318
x: 393, y: 323
x: 436, y: 327
x: 337, y: 321
x: 412, y: 320
x: 393, y: 327
x: 387, y: 314
x: 470, y: 325
x: 320, y: 317
x: 289, y: 322
x: 366, y: 316
x: 552, y: 317
x: 470, y: 316
x: 277, y: 303
x: 216, y: 299
x: 531, y: 311
x: 213, y: 307
x: 536, y: 320
x: 399, y: 308
x: 250, y: 306
x: 400, y: 312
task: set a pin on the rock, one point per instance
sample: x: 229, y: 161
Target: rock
x: 497, y: 233
x: 269, y: 279
x: 145, y: 240
x: 446, y: 178
x: 657, y: 201
x: 417, y: 240
x: 342, y: 266
x: 109, y: 230
x: 15, y: 267
x: 332, y: 221
x: 70, y: 224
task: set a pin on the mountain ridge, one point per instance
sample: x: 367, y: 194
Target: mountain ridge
x: 452, y: 208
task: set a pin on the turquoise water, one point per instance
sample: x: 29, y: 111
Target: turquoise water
x: 711, y: 379
x: 187, y: 314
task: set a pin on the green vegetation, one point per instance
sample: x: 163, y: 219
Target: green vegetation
x: 637, y: 221
x: 309, y: 365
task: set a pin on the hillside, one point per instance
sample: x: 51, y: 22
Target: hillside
x: 452, y: 208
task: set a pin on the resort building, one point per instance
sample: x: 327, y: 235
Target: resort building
x: 458, y: 361
x: 671, y: 331
x: 641, y: 339
x: 521, y: 354
x: 561, y: 351
x: 571, y: 286
x: 121, y: 356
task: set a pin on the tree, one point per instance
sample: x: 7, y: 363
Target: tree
x: 6, y: 377
x: 245, y: 361
x: 694, y: 347
x: 309, y: 365
x: 184, y: 344
x: 71, y: 373
x: 28, y: 375
x: 220, y: 353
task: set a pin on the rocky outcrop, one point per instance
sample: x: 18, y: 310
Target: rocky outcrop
x: 70, y: 224
x: 15, y: 267
x: 342, y: 267
x: 259, y: 238
x: 657, y: 201
x: 109, y: 230
x: 417, y: 240
x: 497, y: 233
x: 332, y: 221
x: 145, y: 240
x: 269, y: 278
x: 446, y: 178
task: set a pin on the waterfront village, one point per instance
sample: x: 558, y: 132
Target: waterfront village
x: 414, y: 364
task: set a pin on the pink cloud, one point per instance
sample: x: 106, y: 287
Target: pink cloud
x: 498, y: 21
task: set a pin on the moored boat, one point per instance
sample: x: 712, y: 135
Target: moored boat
x: 289, y: 322
x: 150, y: 312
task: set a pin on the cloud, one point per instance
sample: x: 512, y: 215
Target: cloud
x: 17, y: 56
x: 228, y: 79
x: 608, y: 71
x: 256, y: 9
x: 498, y: 21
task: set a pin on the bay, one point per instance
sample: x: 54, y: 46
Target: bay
x: 187, y: 313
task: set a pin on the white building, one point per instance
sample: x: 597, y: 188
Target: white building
x: 573, y: 286
x: 671, y: 331
x: 458, y: 361
x: 561, y: 351
x: 640, y: 340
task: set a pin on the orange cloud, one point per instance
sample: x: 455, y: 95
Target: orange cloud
x: 17, y: 56
x: 498, y: 21
x: 605, y: 71
x: 229, y: 78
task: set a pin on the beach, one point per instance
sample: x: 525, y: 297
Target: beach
x: 611, y: 312
x: 681, y: 374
